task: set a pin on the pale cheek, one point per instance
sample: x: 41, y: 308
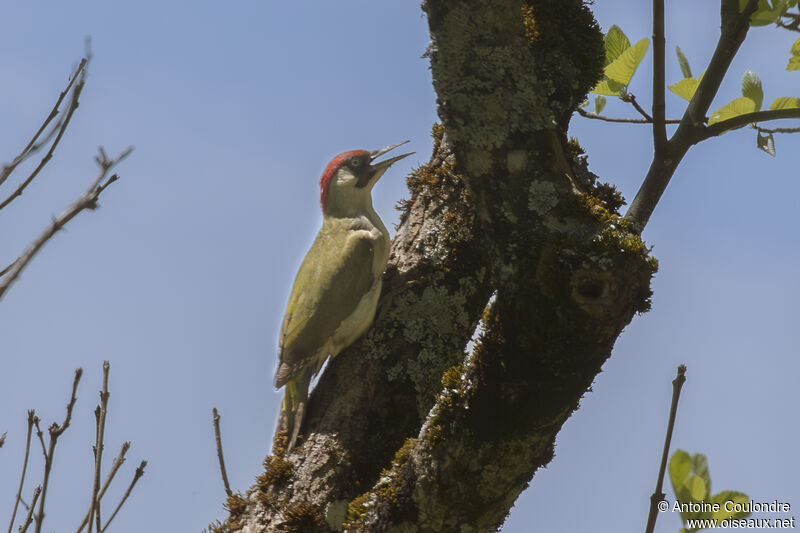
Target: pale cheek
x: 344, y: 178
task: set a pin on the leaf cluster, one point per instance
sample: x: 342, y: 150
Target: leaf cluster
x: 691, y: 482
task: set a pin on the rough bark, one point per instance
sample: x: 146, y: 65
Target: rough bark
x: 403, y: 432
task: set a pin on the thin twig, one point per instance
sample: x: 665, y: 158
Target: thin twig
x: 219, y: 453
x: 73, y: 105
x: 659, y: 107
x: 794, y: 25
x: 742, y: 120
x: 658, y: 495
x: 631, y: 99
x: 6, y: 269
x: 595, y: 116
x: 32, y: 146
x: 735, y: 24
x: 55, y: 431
x: 18, y: 499
x: 88, y: 200
x: 100, y: 413
x: 774, y: 130
x: 29, y: 517
x: 139, y: 473
x: 41, y: 436
x: 115, y: 466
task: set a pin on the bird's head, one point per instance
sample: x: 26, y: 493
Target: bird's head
x: 349, y: 177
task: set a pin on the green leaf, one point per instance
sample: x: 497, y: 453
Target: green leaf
x: 585, y: 103
x: 736, y: 107
x: 696, y: 487
x: 785, y: 102
x: 680, y: 466
x: 685, y: 88
x: 765, y: 143
x: 683, y: 62
x: 608, y: 87
x: 599, y: 103
x: 732, y: 496
x: 794, y: 60
x: 765, y: 13
x: 616, y: 42
x: 622, y: 69
x: 751, y: 88
x: 700, y: 467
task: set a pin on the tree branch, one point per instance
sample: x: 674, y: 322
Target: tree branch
x: 648, y: 120
x: 658, y: 494
x: 138, y: 474
x: 115, y: 466
x: 218, y: 438
x: 100, y: 415
x: 31, y: 416
x: 33, y: 146
x: 29, y: 517
x: 60, y: 127
x: 774, y: 130
x: 88, y: 200
x: 735, y: 25
x: 55, y: 431
x: 631, y: 99
x: 742, y: 120
x: 659, y: 107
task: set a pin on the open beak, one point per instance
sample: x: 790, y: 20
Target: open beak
x: 379, y: 168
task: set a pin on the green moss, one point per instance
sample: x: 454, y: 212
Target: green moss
x: 303, y: 517
x: 386, y: 490
x: 451, y: 379
x: 356, y: 511
x: 218, y: 527
x: 236, y: 504
x: 277, y: 470
x: 531, y: 32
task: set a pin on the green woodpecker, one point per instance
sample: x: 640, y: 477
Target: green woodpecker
x: 336, y: 290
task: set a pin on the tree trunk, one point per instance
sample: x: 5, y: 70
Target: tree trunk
x: 505, y: 227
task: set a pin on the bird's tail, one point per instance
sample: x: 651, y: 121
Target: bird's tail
x: 293, y: 409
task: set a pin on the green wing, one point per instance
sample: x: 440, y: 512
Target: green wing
x: 334, y: 276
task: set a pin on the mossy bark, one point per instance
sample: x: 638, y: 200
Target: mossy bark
x: 504, y: 225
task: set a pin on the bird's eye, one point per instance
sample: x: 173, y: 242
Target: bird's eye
x: 355, y: 162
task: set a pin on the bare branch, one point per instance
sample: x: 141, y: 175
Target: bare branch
x: 792, y: 25
x: 100, y: 413
x: 774, y: 130
x: 139, y: 473
x: 219, y: 453
x: 18, y: 499
x: 735, y: 25
x: 115, y: 466
x: 748, y: 118
x: 631, y: 99
x: 595, y: 116
x: 88, y: 200
x: 61, y: 127
x: 33, y: 146
x: 55, y: 431
x: 658, y: 494
x: 41, y: 436
x: 29, y: 517
x: 659, y: 107
x: 6, y: 269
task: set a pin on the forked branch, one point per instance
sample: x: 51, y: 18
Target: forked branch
x: 58, y: 131
x: 88, y: 200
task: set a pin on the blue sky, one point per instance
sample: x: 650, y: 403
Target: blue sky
x: 180, y: 279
